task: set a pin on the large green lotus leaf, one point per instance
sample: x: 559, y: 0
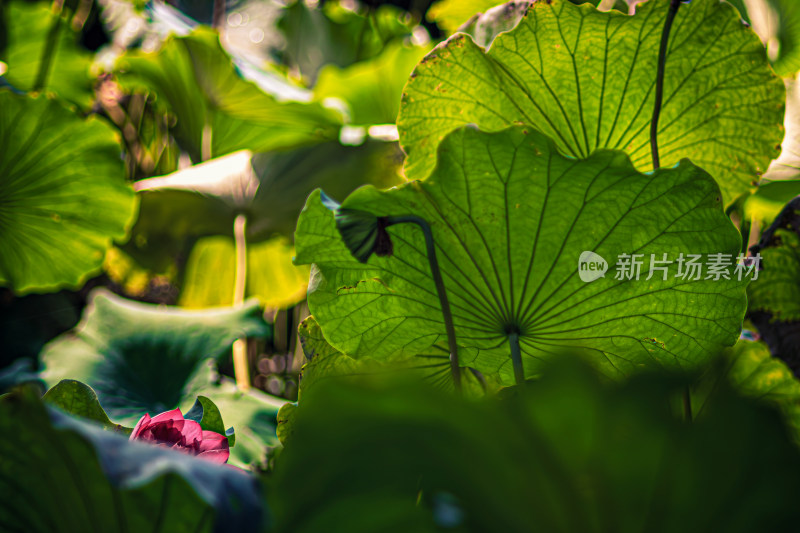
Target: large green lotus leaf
x: 120, y: 345
x: 147, y: 358
x: 63, y: 195
x: 371, y: 89
x: 511, y: 217
x: 586, y: 79
x: 29, y: 26
x: 325, y: 362
x: 567, y: 454
x: 750, y: 369
x: 216, y: 110
x: 271, y: 276
x: 59, y: 473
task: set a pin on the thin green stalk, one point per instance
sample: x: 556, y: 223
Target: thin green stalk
x: 48, y: 53
x: 662, y: 62
x: 444, y: 303
x: 687, y: 404
x: 516, y: 359
x: 240, y: 363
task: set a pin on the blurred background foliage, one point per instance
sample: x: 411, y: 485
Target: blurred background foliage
x: 305, y: 93
x: 221, y: 111
x: 187, y: 116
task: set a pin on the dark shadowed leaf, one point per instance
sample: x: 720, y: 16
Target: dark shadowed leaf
x: 62, y: 474
x: 750, y: 370
x: 566, y: 454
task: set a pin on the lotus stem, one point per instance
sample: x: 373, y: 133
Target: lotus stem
x: 240, y: 363
x: 444, y: 303
x: 687, y: 404
x: 516, y: 359
x: 205, y: 142
x: 662, y: 62
x: 49, y: 51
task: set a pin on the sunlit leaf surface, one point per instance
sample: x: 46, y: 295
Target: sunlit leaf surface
x: 586, y: 79
x: 511, y: 218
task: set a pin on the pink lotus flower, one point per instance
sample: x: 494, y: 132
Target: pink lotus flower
x: 170, y: 429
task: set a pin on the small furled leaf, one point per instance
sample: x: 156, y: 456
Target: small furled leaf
x: 512, y: 219
x: 586, y: 79
x: 207, y: 414
x: 363, y: 233
x: 63, y: 195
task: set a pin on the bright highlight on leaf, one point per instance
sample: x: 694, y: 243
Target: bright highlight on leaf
x: 511, y: 218
x: 63, y: 195
x: 271, y: 276
x: 586, y: 79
